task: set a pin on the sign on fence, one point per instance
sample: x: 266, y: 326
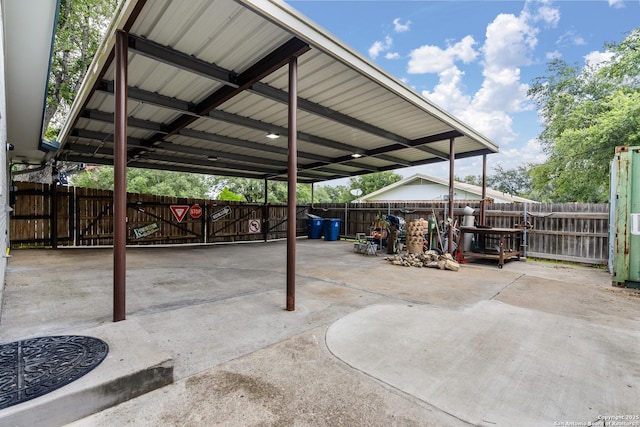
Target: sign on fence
x: 179, y: 211
x: 221, y: 213
x: 195, y: 211
x: 146, y: 230
x: 254, y: 226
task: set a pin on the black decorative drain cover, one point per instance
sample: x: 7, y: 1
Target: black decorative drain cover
x: 37, y: 366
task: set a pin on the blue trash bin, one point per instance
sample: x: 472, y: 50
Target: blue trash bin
x: 314, y: 228
x: 331, y: 229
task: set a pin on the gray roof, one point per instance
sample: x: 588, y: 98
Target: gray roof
x: 461, y: 186
x: 208, y: 79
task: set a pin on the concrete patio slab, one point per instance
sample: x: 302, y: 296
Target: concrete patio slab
x: 495, y: 364
x: 134, y: 365
x: 240, y: 359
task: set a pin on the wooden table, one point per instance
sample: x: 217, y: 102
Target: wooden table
x: 509, y: 243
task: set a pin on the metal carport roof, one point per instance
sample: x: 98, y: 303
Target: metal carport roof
x: 207, y: 80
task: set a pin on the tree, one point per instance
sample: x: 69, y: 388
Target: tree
x: 470, y: 179
x: 228, y: 195
x: 337, y: 194
x: 587, y: 113
x: 81, y: 26
x: 515, y: 182
x: 147, y: 181
x: 372, y: 182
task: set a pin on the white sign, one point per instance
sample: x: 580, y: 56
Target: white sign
x: 635, y: 224
x: 219, y: 214
x: 146, y: 230
x: 254, y: 226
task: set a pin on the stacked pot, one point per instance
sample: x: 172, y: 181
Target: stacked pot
x: 415, y: 236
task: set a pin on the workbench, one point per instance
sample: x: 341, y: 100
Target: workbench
x: 492, y: 243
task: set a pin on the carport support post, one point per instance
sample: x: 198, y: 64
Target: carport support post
x: 452, y: 157
x: 120, y: 179
x: 483, y: 207
x: 292, y: 177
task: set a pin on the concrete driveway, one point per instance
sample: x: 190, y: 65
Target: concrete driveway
x: 369, y: 343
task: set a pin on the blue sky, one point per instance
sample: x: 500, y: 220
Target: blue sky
x: 477, y: 59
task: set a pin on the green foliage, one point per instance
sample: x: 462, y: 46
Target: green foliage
x: 147, y: 181
x: 253, y: 189
x: 81, y: 25
x: 471, y: 179
x: 587, y: 113
x: 337, y: 194
x: 228, y: 195
x: 178, y: 184
x: 516, y: 182
x: 372, y: 182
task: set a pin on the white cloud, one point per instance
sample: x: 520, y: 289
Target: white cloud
x: 392, y: 55
x: 510, y: 42
x: 553, y: 55
x: 548, y: 15
x: 570, y: 38
x: 532, y: 152
x: 433, y: 59
x: 399, y: 27
x: 616, y: 3
x: 595, y: 59
x: 502, y: 90
x: 380, y: 46
x: 509, y: 46
x: 509, y: 159
x: 448, y: 93
x: 495, y: 124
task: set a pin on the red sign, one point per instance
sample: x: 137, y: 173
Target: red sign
x: 179, y: 211
x: 195, y: 211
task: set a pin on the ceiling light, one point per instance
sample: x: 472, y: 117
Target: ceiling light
x: 272, y: 135
x: 356, y: 155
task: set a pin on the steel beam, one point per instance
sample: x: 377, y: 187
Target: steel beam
x: 185, y: 107
x: 317, y: 109
x: 261, y: 69
x: 169, y: 56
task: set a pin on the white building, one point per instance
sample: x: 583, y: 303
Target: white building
x: 420, y: 187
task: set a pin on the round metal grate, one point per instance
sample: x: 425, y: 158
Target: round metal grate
x: 33, y: 367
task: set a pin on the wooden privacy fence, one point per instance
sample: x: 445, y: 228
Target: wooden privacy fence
x: 571, y: 232
x: 51, y: 216
x: 54, y: 216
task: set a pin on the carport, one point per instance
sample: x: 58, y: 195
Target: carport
x: 246, y: 88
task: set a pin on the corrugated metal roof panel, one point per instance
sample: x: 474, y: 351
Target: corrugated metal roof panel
x: 189, y: 58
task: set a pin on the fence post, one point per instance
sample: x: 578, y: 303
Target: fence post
x: 265, y: 222
x: 346, y: 216
x: 524, y: 233
x: 53, y: 205
x: 76, y: 232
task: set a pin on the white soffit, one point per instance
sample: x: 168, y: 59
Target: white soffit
x: 29, y: 27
